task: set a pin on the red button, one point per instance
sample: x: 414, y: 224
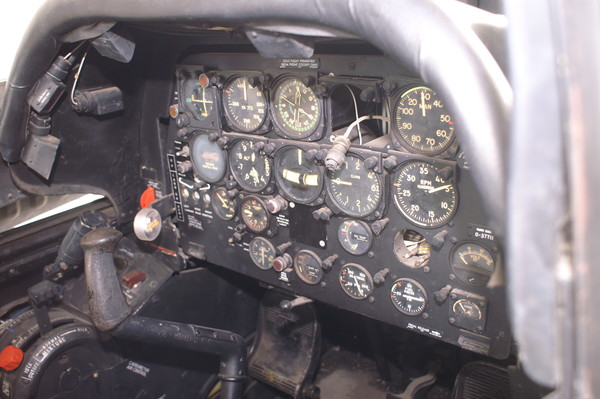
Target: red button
x: 132, y: 278
x: 10, y: 358
x: 148, y: 197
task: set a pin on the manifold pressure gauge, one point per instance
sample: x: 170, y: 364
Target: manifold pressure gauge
x: 147, y: 224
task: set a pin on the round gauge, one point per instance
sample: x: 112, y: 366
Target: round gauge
x: 222, y: 204
x: 355, y: 236
x: 472, y: 263
x: 411, y: 249
x: 356, y: 281
x: 467, y: 308
x: 408, y: 296
x: 425, y: 194
x: 299, y: 178
x: 254, y: 214
x: 245, y: 106
x: 198, y: 100
x: 308, y: 267
x: 250, y: 167
x: 421, y: 122
x: 262, y: 252
x: 296, y: 108
x: 208, y: 159
x: 353, y: 188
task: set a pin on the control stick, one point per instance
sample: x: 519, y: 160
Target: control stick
x: 110, y: 312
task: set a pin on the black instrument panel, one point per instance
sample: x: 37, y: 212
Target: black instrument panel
x: 398, y: 234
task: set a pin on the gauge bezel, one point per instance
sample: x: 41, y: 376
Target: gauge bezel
x: 412, y: 281
x: 405, y: 214
x: 313, y: 134
x: 281, y: 185
x: 217, y: 210
x: 464, y: 244
x: 367, y: 274
x: 301, y: 275
x: 365, y: 226
x: 264, y: 240
x: 229, y: 119
x: 238, y: 179
x: 397, y: 135
x: 196, y: 136
x: 263, y: 204
x: 338, y: 206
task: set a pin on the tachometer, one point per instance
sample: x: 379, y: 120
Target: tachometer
x: 208, y: 159
x: 356, y: 281
x: 421, y: 122
x: 353, y: 188
x: 297, y: 110
x: 245, y: 106
x: 254, y: 214
x: 250, y: 167
x: 425, y: 194
x: 299, y: 178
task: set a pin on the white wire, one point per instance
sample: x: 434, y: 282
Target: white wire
x: 77, y: 78
x: 75, y: 49
x: 364, y: 118
x: 355, y: 112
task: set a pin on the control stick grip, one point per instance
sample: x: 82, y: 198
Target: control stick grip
x: 107, y: 302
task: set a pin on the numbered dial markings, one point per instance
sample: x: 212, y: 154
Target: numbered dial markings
x: 223, y: 206
x: 355, y: 236
x: 254, y: 214
x: 250, y: 168
x: 308, y: 266
x: 297, y: 109
x: 353, y: 188
x: 299, y: 178
x: 422, y: 123
x: 198, y: 100
x: 262, y: 252
x: 408, y: 296
x: 245, y: 106
x: 425, y: 194
x: 208, y: 159
x: 356, y: 281
x: 472, y: 263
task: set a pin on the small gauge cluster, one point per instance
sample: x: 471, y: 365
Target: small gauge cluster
x: 397, y: 233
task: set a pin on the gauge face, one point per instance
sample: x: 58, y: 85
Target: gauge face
x: 223, y: 206
x: 245, y: 106
x: 472, y: 263
x: 425, y: 194
x: 422, y: 123
x: 408, y: 296
x: 198, y: 100
x: 467, y: 308
x: 208, y: 159
x: 262, y: 252
x: 250, y: 167
x: 355, y: 236
x: 353, y: 188
x: 308, y: 267
x: 254, y: 214
x: 300, y: 179
x: 297, y: 109
x: 411, y: 249
x: 356, y: 281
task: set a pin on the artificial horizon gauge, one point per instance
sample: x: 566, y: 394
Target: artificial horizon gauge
x: 208, y: 159
x: 299, y: 178
x: 245, y: 105
x: 425, y: 194
x: 472, y: 263
x: 353, y: 188
x: 421, y: 122
x: 197, y: 99
x: 262, y: 252
x: 222, y: 204
x: 250, y: 167
x: 355, y: 236
x: 356, y: 281
x: 308, y: 266
x: 411, y: 249
x: 408, y: 296
x: 254, y: 214
x: 296, y: 109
